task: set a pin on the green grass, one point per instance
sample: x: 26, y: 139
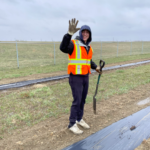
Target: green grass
x: 38, y: 57
x: 22, y: 72
x: 28, y: 107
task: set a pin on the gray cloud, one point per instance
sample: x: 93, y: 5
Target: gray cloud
x: 36, y: 19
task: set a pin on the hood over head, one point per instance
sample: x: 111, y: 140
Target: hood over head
x: 85, y: 27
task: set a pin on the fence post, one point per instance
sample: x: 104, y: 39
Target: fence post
x: 117, y: 49
x: 54, y: 54
x: 101, y: 51
x: 142, y: 47
x: 131, y: 49
x: 17, y: 55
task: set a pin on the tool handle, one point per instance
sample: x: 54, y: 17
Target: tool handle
x: 98, y: 79
x: 102, y: 64
x: 94, y: 99
x: 97, y: 85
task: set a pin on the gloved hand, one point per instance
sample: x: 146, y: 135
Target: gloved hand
x: 98, y: 70
x: 72, y: 26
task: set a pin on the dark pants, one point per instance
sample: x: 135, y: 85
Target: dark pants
x: 79, y: 86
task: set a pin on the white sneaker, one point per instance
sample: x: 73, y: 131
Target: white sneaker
x: 75, y: 129
x: 83, y: 124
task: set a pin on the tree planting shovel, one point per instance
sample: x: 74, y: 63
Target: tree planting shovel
x: 102, y: 64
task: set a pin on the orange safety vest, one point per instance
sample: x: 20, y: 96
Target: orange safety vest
x: 79, y: 61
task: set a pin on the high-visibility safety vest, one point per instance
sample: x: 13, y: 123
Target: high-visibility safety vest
x: 79, y: 61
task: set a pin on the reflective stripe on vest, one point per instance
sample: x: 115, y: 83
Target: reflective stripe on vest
x: 78, y: 55
x: 78, y: 69
x: 79, y: 62
x: 78, y: 50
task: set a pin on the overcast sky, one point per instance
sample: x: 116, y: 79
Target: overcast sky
x: 47, y: 20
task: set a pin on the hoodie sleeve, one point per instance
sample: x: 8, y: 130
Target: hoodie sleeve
x: 93, y: 65
x: 66, y: 45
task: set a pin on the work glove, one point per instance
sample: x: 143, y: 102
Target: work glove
x: 72, y: 26
x: 98, y: 70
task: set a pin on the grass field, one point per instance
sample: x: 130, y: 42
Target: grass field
x: 38, y: 57
x: 30, y: 106
x: 42, y: 53
x: 23, y: 108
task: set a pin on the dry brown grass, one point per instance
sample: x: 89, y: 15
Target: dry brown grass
x: 42, y: 53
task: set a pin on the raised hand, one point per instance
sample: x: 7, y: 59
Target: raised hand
x: 72, y: 26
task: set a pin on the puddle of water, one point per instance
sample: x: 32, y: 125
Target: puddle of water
x: 143, y: 102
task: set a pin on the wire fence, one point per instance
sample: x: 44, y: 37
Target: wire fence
x: 29, y: 54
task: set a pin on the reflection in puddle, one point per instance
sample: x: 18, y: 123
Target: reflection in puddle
x: 143, y: 102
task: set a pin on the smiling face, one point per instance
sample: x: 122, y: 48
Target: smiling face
x: 85, y: 35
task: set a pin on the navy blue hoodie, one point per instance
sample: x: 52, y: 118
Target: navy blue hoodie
x: 85, y: 27
x: 67, y: 45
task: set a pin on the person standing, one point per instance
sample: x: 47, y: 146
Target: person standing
x: 80, y: 61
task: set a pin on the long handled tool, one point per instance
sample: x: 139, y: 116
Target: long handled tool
x: 102, y: 64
